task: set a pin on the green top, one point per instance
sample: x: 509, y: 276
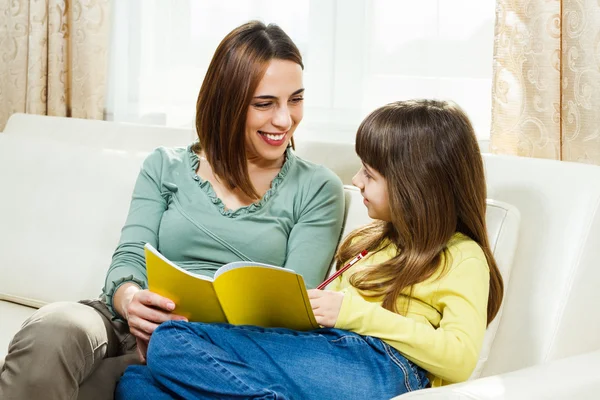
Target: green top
x: 296, y: 224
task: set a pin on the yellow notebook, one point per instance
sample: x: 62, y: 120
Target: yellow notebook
x: 241, y: 293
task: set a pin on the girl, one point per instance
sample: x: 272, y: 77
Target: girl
x: 413, y: 313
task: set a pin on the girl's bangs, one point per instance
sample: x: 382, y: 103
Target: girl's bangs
x: 370, y: 144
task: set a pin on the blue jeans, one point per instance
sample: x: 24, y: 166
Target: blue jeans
x: 221, y: 361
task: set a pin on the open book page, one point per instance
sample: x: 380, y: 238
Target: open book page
x: 240, y: 264
x: 194, y: 295
x: 265, y: 296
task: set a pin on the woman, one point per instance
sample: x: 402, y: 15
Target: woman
x: 411, y: 313
x: 240, y: 193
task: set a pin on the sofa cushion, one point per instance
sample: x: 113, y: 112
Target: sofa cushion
x: 502, y: 222
x: 13, y: 316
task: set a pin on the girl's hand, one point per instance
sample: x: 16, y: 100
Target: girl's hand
x: 326, y: 306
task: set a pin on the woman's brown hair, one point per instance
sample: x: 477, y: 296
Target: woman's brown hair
x: 428, y: 154
x: 233, y: 75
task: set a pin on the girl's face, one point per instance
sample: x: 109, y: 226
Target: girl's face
x: 374, y: 189
x: 275, y: 111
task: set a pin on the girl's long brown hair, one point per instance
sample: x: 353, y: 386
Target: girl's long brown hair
x: 236, y: 69
x: 428, y: 154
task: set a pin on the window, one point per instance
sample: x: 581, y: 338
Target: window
x: 358, y: 54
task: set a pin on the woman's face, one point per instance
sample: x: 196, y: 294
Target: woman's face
x: 275, y: 111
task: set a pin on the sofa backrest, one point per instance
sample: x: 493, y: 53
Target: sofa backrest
x: 57, y: 174
x: 340, y: 157
x: 549, y: 306
x: 118, y: 135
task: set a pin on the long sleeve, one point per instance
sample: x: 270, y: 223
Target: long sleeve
x: 448, y: 351
x: 141, y: 227
x: 313, y: 239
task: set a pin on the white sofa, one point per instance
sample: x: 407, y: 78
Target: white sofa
x: 60, y: 224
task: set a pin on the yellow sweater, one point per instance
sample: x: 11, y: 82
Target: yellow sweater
x: 443, y: 329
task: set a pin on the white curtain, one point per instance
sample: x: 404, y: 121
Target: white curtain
x: 547, y: 80
x: 53, y: 57
x: 358, y: 54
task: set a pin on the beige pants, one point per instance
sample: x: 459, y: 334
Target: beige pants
x: 67, y: 351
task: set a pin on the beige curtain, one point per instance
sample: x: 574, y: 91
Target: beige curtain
x: 546, y: 91
x: 53, y: 57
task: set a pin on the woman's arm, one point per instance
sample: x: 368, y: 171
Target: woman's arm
x: 145, y: 213
x: 314, y: 238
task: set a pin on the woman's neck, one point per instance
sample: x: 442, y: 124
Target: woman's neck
x: 258, y: 164
x: 261, y: 173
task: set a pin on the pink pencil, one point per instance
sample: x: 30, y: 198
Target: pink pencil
x: 344, y: 268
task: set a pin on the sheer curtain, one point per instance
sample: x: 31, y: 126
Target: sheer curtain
x: 53, y: 57
x: 359, y: 54
x: 547, y: 80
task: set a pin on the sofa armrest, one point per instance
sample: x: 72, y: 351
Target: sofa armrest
x: 574, y: 377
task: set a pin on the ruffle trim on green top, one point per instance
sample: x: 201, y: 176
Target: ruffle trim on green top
x: 108, y: 297
x: 208, y: 189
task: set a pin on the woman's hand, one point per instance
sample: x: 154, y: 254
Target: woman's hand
x: 326, y: 306
x: 144, y: 311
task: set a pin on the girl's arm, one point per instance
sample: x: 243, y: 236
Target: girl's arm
x: 314, y: 238
x: 449, y: 351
